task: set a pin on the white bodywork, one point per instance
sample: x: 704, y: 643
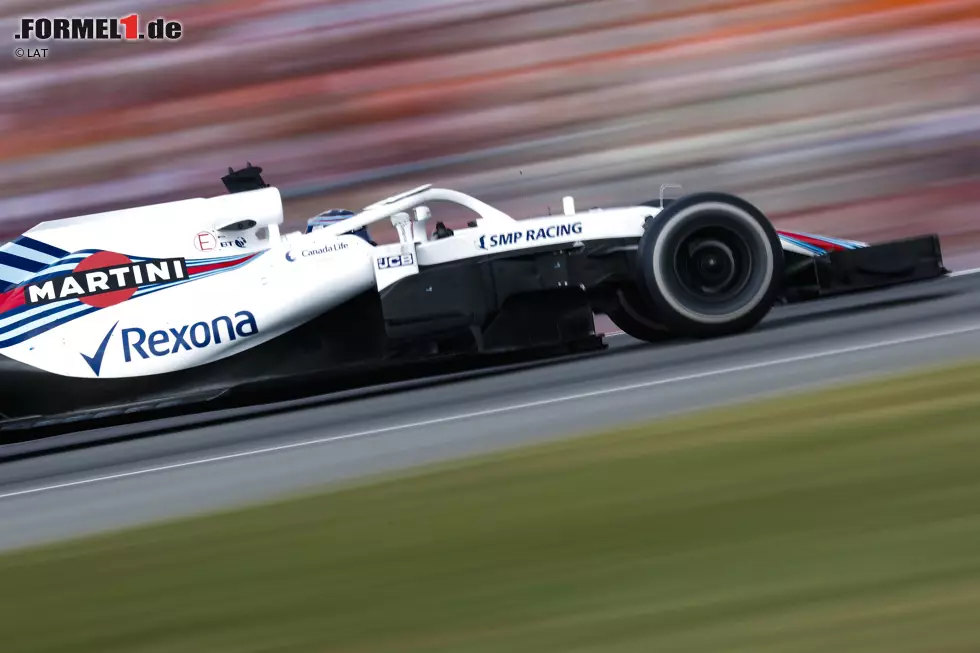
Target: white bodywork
x: 231, y: 286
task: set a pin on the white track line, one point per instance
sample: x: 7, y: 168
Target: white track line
x: 503, y: 409
x: 961, y: 273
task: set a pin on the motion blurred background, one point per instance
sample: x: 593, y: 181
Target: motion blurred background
x: 860, y: 118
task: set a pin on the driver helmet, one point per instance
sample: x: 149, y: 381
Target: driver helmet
x: 333, y: 216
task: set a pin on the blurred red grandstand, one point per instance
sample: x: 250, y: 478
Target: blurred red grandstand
x: 855, y: 117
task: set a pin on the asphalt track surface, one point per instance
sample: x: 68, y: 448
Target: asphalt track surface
x: 238, y: 462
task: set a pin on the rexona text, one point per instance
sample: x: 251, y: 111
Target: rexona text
x: 191, y: 336
x: 105, y: 280
x: 533, y: 235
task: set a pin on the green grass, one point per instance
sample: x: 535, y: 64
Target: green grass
x: 842, y: 521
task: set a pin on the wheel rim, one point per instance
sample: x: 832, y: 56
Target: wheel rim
x: 713, y: 264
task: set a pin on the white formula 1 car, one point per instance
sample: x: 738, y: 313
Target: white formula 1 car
x: 197, y: 297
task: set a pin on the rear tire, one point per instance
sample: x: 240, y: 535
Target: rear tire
x: 709, y: 265
x: 634, y: 316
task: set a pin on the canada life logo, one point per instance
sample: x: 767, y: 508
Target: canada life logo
x: 318, y: 251
x: 105, y: 279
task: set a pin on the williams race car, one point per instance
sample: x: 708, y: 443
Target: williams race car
x: 190, y: 300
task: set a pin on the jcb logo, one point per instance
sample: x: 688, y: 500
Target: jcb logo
x: 386, y: 262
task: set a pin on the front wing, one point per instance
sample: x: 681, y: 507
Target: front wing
x: 864, y: 268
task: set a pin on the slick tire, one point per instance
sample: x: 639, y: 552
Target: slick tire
x: 709, y: 265
x: 635, y: 317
